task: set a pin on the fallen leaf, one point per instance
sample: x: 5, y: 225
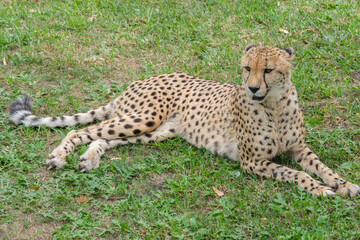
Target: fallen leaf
x: 91, y: 18
x: 82, y: 199
x: 217, y: 192
x: 340, y: 107
x: 244, y: 36
x: 34, y: 187
x: 70, y: 76
x: 284, y: 31
x: 4, y: 61
x: 31, y: 10
x: 263, y: 219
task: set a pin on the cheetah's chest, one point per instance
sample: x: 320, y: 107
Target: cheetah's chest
x: 274, y: 133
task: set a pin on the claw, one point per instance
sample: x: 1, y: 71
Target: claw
x: 328, y: 193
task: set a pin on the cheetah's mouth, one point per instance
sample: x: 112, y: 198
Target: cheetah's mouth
x: 258, y: 99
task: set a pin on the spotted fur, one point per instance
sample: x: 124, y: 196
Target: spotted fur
x: 249, y: 123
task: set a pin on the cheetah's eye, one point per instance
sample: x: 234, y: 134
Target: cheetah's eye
x: 247, y: 69
x: 268, y: 70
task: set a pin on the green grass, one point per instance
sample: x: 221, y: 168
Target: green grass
x: 70, y: 56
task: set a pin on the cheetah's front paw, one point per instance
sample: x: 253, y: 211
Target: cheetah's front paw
x: 55, y: 162
x: 348, y: 188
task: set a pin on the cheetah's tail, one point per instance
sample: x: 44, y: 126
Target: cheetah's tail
x: 21, y: 113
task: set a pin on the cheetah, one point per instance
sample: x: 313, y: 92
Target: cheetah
x: 249, y: 123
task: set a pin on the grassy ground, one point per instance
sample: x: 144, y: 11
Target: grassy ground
x: 70, y: 56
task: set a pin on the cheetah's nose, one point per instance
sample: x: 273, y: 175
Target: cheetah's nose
x: 254, y: 89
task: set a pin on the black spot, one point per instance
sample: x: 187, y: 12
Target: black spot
x: 127, y: 126
x: 136, y: 131
x: 111, y: 132
x: 150, y: 124
x: 111, y: 125
x: 99, y: 134
x: 137, y: 120
x: 148, y: 135
x: 122, y: 135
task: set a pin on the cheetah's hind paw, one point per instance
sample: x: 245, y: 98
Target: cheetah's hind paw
x: 85, y: 165
x: 55, y: 162
x: 323, y: 191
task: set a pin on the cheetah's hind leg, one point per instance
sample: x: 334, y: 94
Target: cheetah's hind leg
x: 91, y: 158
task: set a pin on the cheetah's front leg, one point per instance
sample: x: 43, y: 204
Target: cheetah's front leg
x: 266, y: 168
x: 310, y: 162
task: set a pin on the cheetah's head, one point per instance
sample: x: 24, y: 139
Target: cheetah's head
x: 266, y: 71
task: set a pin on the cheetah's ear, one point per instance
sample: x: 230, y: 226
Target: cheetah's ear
x: 290, y: 52
x: 248, y: 47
